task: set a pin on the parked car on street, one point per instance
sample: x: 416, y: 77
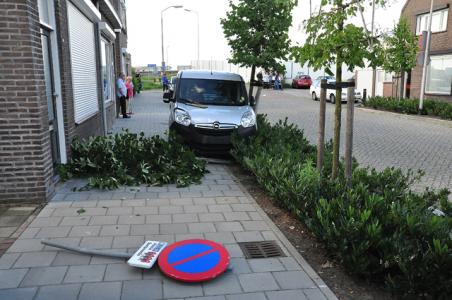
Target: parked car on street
x: 327, y: 77
x: 302, y: 81
x: 267, y: 81
x: 207, y: 107
x: 331, y: 93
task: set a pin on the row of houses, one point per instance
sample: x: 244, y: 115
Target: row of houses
x: 58, y: 64
x: 439, y: 70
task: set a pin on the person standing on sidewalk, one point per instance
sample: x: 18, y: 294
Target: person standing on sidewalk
x: 277, y: 82
x: 129, y: 86
x: 165, y: 82
x: 139, y: 83
x: 121, y: 93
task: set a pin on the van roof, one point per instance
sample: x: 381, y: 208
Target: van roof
x: 201, y: 74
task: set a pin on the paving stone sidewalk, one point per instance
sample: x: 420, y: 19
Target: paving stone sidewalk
x: 13, y: 219
x: 219, y: 209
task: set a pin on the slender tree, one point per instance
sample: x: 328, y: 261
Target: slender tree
x: 401, y: 48
x: 332, y: 41
x: 257, y: 32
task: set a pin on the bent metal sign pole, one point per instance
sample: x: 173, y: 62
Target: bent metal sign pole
x: 189, y: 260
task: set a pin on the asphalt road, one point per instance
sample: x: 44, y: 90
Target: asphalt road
x: 381, y: 139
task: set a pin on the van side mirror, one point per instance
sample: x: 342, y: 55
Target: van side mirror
x: 252, y: 101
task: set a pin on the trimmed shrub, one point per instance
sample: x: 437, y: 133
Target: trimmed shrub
x: 376, y: 227
x: 131, y: 159
x: 410, y: 106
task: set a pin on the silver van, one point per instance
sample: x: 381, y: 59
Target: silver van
x: 206, y: 107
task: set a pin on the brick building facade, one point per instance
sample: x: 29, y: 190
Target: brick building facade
x: 439, y: 74
x: 58, y: 63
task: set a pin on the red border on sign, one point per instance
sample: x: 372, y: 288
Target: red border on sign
x: 171, y: 272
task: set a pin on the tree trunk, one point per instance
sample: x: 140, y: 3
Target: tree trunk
x: 402, y: 84
x: 349, y: 132
x: 321, y: 132
x: 337, y: 120
x: 253, y: 72
x: 337, y: 111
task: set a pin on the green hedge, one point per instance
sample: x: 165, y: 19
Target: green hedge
x: 132, y: 159
x: 377, y: 228
x: 410, y: 106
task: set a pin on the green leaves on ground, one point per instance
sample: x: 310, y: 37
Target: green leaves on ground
x: 378, y: 228
x: 131, y: 159
x: 411, y: 106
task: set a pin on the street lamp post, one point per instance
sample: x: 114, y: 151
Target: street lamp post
x: 197, y: 19
x: 161, y: 23
x: 167, y: 55
x: 426, y: 56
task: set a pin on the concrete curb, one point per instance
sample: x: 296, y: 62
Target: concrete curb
x: 290, y: 248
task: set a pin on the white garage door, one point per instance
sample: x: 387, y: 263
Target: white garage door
x: 83, y: 62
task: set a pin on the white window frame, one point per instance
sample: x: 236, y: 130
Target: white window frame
x: 427, y: 86
x: 441, y: 16
x: 110, y: 72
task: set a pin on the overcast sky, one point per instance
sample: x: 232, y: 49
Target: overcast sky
x: 180, y: 29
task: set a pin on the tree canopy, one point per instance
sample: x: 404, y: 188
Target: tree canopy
x: 332, y: 40
x: 400, y: 48
x: 257, y: 32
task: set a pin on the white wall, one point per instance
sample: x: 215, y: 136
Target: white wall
x: 364, y: 80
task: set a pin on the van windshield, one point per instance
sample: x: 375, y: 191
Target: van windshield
x: 212, y: 92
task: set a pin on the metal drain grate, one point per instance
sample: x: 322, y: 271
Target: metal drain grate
x: 261, y: 249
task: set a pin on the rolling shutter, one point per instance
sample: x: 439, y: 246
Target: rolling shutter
x: 83, y: 62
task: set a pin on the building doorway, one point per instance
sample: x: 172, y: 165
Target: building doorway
x: 50, y: 96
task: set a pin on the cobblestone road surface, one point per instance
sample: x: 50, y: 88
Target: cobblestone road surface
x: 381, y: 139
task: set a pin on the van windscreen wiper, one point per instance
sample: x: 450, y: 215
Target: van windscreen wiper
x: 193, y: 103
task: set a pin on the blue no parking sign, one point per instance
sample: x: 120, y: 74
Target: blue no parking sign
x: 194, y: 260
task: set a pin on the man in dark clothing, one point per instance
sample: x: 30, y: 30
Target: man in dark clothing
x: 139, y: 83
x: 165, y: 82
x: 260, y: 78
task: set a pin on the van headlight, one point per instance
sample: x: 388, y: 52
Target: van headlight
x: 248, y: 119
x: 182, y: 117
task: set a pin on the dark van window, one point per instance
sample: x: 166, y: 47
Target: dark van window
x: 212, y: 92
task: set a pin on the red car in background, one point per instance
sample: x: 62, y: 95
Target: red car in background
x: 302, y: 81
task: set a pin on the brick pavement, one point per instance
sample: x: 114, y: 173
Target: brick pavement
x: 381, y: 139
x: 219, y: 209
